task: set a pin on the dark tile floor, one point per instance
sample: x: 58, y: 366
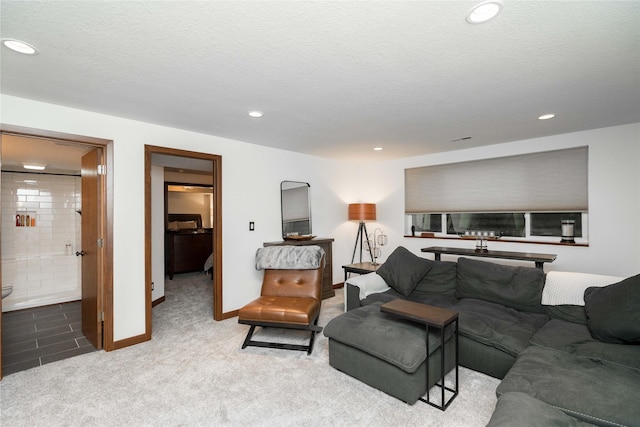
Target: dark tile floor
x: 41, y: 335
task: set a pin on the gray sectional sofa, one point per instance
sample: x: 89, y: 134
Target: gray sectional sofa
x: 566, y: 345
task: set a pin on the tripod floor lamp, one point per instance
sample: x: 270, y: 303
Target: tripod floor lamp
x: 362, y: 212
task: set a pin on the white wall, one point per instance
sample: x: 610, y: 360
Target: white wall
x: 614, y: 199
x: 251, y: 178
x: 191, y: 203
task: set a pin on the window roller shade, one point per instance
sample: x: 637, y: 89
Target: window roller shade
x: 543, y: 182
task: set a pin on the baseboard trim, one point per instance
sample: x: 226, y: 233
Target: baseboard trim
x: 128, y: 342
x: 230, y: 314
x: 158, y: 301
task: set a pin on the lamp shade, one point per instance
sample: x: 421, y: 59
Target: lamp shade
x: 362, y: 212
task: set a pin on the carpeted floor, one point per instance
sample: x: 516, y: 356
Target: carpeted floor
x: 194, y: 373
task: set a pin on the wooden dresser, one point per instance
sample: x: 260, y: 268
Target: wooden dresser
x: 187, y: 250
x: 327, y: 245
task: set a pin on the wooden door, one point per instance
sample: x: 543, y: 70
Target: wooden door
x: 92, y: 249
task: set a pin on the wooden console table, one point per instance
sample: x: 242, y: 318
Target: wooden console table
x: 538, y: 259
x: 327, y: 274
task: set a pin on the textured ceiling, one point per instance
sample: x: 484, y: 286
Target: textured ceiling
x: 334, y: 79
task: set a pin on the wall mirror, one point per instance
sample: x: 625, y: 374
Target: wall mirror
x: 189, y: 199
x: 296, y: 208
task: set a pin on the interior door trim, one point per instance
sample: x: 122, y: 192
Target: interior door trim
x: 149, y: 150
x: 106, y: 285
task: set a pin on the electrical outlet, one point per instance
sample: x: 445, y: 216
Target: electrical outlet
x: 252, y: 226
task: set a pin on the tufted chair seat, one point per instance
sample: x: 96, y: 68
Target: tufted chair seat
x: 290, y: 297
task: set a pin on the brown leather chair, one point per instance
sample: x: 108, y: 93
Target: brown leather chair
x: 290, y: 297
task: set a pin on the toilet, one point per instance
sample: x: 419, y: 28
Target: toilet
x: 6, y: 291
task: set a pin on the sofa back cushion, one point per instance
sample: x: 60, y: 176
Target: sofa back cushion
x: 613, y: 311
x: 440, y: 279
x: 515, y: 287
x: 403, y: 270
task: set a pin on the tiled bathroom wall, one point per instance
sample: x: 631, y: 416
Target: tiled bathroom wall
x: 38, y: 257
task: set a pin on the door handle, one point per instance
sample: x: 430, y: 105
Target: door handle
x: 81, y: 253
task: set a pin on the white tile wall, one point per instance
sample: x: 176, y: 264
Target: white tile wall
x: 34, y: 259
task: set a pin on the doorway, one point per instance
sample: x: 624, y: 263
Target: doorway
x: 94, y: 300
x: 176, y: 159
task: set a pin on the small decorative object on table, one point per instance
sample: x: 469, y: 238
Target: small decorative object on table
x: 299, y: 237
x: 481, y: 238
x: 374, y: 242
x: 567, y: 231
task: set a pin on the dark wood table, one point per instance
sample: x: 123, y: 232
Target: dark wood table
x: 327, y: 245
x: 432, y: 317
x: 187, y: 250
x: 360, y: 268
x: 538, y: 259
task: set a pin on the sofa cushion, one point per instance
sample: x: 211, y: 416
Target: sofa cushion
x: 403, y: 269
x: 495, y: 325
x: 576, y: 339
x: 613, y: 312
x: 438, y: 300
x: 516, y: 287
x: 382, y: 297
x: 441, y: 278
x: 570, y: 313
x: 590, y: 390
x: 394, y: 340
x: 520, y: 409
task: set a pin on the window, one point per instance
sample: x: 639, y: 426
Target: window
x: 426, y: 222
x: 524, y: 196
x: 550, y: 224
x: 501, y: 224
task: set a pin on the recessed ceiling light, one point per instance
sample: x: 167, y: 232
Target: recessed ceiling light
x: 484, y: 11
x: 255, y: 114
x: 546, y: 116
x: 33, y: 166
x: 19, y: 46
x: 377, y: 149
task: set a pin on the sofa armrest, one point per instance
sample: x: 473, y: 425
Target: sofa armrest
x: 359, y: 287
x: 351, y: 297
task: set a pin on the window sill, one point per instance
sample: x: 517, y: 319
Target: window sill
x: 502, y: 239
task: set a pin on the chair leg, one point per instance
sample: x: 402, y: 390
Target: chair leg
x: 247, y: 340
x: 311, y: 341
x: 315, y: 328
